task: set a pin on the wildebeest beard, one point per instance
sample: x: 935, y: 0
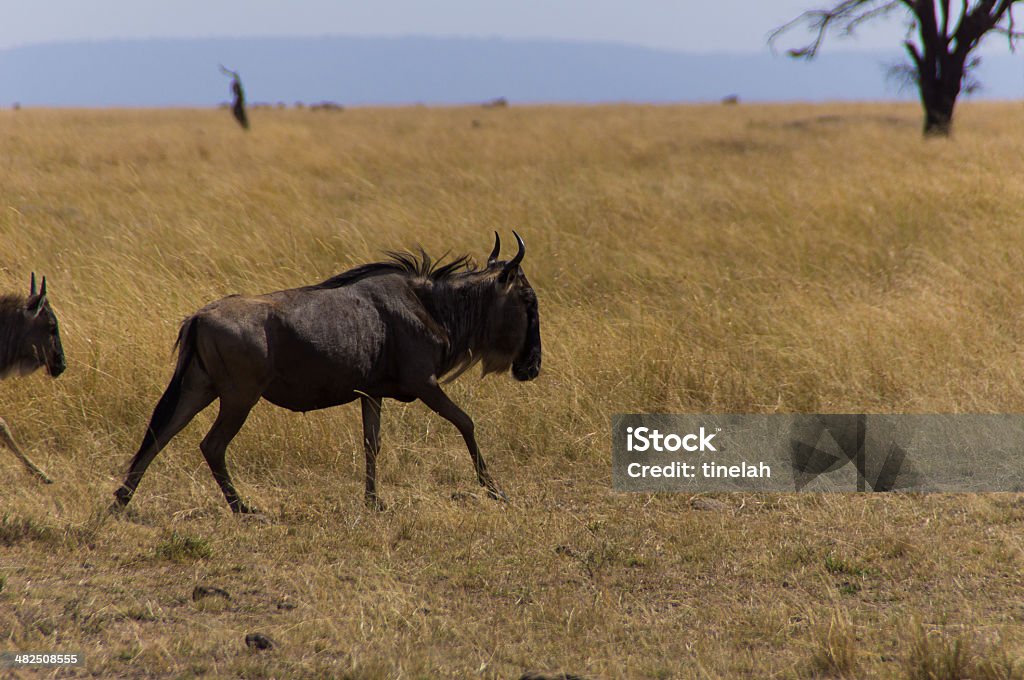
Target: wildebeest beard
x: 527, y: 364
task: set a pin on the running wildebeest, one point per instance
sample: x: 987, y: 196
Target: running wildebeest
x: 388, y: 329
x: 29, y: 339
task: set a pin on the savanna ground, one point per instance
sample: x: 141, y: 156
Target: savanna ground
x: 687, y: 259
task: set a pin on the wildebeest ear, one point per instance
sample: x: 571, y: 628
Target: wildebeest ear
x: 493, y: 257
x: 36, y: 300
x: 34, y: 305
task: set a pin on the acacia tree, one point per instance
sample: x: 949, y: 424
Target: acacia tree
x: 940, y: 40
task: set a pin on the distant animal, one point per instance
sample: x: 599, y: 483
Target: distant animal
x: 326, y: 106
x: 29, y: 340
x: 391, y: 329
x: 238, y: 95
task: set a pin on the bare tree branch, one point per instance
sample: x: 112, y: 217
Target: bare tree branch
x: 1010, y: 30
x: 869, y: 15
x: 915, y: 54
x: 846, y: 16
x: 945, y: 21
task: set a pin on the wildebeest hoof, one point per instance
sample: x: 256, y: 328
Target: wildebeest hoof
x: 122, y: 497
x: 376, y: 504
x: 243, y: 509
x: 118, y: 508
x: 497, y: 494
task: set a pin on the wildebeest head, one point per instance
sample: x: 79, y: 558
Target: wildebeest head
x: 513, y: 323
x: 37, y: 340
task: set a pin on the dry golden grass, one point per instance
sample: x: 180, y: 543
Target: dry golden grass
x: 703, y: 259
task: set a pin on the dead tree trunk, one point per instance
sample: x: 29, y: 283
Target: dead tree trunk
x: 238, y: 96
x: 940, y: 76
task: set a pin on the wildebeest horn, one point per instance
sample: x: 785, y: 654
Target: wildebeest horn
x: 514, y: 262
x: 493, y: 257
x: 42, y: 288
x: 32, y: 289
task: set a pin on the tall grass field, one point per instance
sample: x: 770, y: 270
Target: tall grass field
x: 721, y: 259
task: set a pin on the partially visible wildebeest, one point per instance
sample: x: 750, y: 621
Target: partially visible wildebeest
x: 389, y: 329
x: 29, y: 339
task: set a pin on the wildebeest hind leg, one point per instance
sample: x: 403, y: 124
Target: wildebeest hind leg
x: 8, y: 439
x: 371, y: 444
x: 214, y: 447
x: 163, y: 425
x: 438, y: 401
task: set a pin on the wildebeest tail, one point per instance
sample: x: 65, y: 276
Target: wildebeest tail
x: 164, y: 411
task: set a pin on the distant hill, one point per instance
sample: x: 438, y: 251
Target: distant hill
x: 358, y: 71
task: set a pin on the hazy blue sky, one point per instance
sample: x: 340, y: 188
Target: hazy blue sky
x: 685, y: 25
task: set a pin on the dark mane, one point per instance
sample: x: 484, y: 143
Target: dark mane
x: 401, y: 263
x: 12, y: 324
x: 10, y: 303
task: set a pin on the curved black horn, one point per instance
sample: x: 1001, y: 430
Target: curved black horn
x: 493, y: 257
x: 514, y: 262
x: 42, y: 288
x: 32, y: 288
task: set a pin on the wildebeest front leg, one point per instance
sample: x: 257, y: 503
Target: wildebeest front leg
x: 214, y: 446
x: 8, y: 439
x: 438, y: 401
x: 371, y: 442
